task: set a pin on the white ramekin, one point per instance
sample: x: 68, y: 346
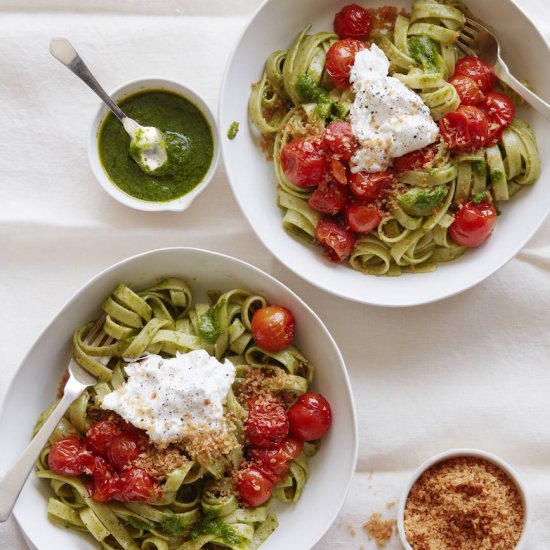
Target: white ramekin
x: 458, y: 453
x: 101, y: 175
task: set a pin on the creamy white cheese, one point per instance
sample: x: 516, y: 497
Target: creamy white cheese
x: 150, y: 143
x: 387, y: 118
x: 173, y: 398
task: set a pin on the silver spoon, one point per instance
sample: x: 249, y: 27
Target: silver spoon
x: 147, y: 146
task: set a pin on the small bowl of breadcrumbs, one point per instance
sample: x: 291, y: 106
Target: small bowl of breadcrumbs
x: 463, y: 499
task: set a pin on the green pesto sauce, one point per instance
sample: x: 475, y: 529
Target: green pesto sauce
x: 496, y: 175
x: 223, y: 531
x: 233, y: 130
x: 309, y: 91
x: 189, y: 145
x: 424, y: 51
x: 209, y: 324
x: 479, y: 167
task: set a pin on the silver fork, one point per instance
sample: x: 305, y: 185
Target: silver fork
x: 477, y: 41
x: 79, y: 379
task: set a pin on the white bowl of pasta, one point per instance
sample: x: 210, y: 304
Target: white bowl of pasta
x: 290, y: 199
x: 193, y: 502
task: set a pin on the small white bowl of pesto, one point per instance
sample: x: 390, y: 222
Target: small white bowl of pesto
x: 191, y: 142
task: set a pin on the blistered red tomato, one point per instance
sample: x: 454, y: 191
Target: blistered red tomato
x: 468, y: 90
x: 339, y: 60
x: 337, y: 241
x: 478, y: 70
x: 473, y: 223
x: 254, y: 487
x: 339, y: 140
x: 136, y: 485
x: 466, y: 129
x: 266, y: 423
x: 124, y: 449
x: 273, y: 327
x: 329, y: 198
x: 304, y: 162
x: 104, y: 486
x: 353, y: 21
x: 368, y: 187
x: 100, y: 436
x: 500, y: 111
x: 363, y: 218
x: 416, y: 160
x: 69, y: 457
x: 310, y: 417
x: 274, y: 463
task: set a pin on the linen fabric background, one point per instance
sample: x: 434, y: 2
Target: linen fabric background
x: 471, y: 371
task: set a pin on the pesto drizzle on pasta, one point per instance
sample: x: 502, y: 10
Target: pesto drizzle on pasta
x: 195, y: 510
x: 295, y: 98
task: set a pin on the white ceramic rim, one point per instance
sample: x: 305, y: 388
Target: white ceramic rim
x: 414, y: 301
x: 354, y: 450
x: 130, y: 88
x: 457, y: 453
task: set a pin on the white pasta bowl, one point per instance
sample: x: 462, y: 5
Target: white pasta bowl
x: 252, y: 178
x: 35, y: 383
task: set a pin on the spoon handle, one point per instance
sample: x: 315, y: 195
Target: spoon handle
x: 64, y: 52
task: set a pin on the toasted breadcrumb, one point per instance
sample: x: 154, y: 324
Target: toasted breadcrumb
x: 464, y: 504
x: 379, y: 529
x: 160, y: 463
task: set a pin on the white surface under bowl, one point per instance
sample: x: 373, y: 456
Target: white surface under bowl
x: 273, y: 27
x: 34, y: 388
x: 460, y: 453
x: 129, y: 89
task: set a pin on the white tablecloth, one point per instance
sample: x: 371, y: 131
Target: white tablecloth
x: 470, y: 371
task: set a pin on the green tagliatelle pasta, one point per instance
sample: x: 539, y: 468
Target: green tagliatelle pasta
x: 295, y: 98
x: 199, y: 507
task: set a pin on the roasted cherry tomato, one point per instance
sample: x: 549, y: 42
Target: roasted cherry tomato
x: 339, y: 140
x: 417, y: 160
x: 465, y: 129
x: 273, y: 327
x: 363, y: 218
x: 104, y: 486
x: 500, y: 111
x: 266, y: 424
x: 329, y: 198
x: 337, y: 241
x: 124, y: 449
x: 274, y: 463
x: 340, y: 59
x: 254, y: 487
x: 69, y: 457
x: 136, y: 485
x: 353, y: 21
x: 473, y: 224
x: 368, y: 187
x: 100, y: 436
x: 477, y: 70
x: 468, y: 90
x: 310, y: 417
x: 304, y: 162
